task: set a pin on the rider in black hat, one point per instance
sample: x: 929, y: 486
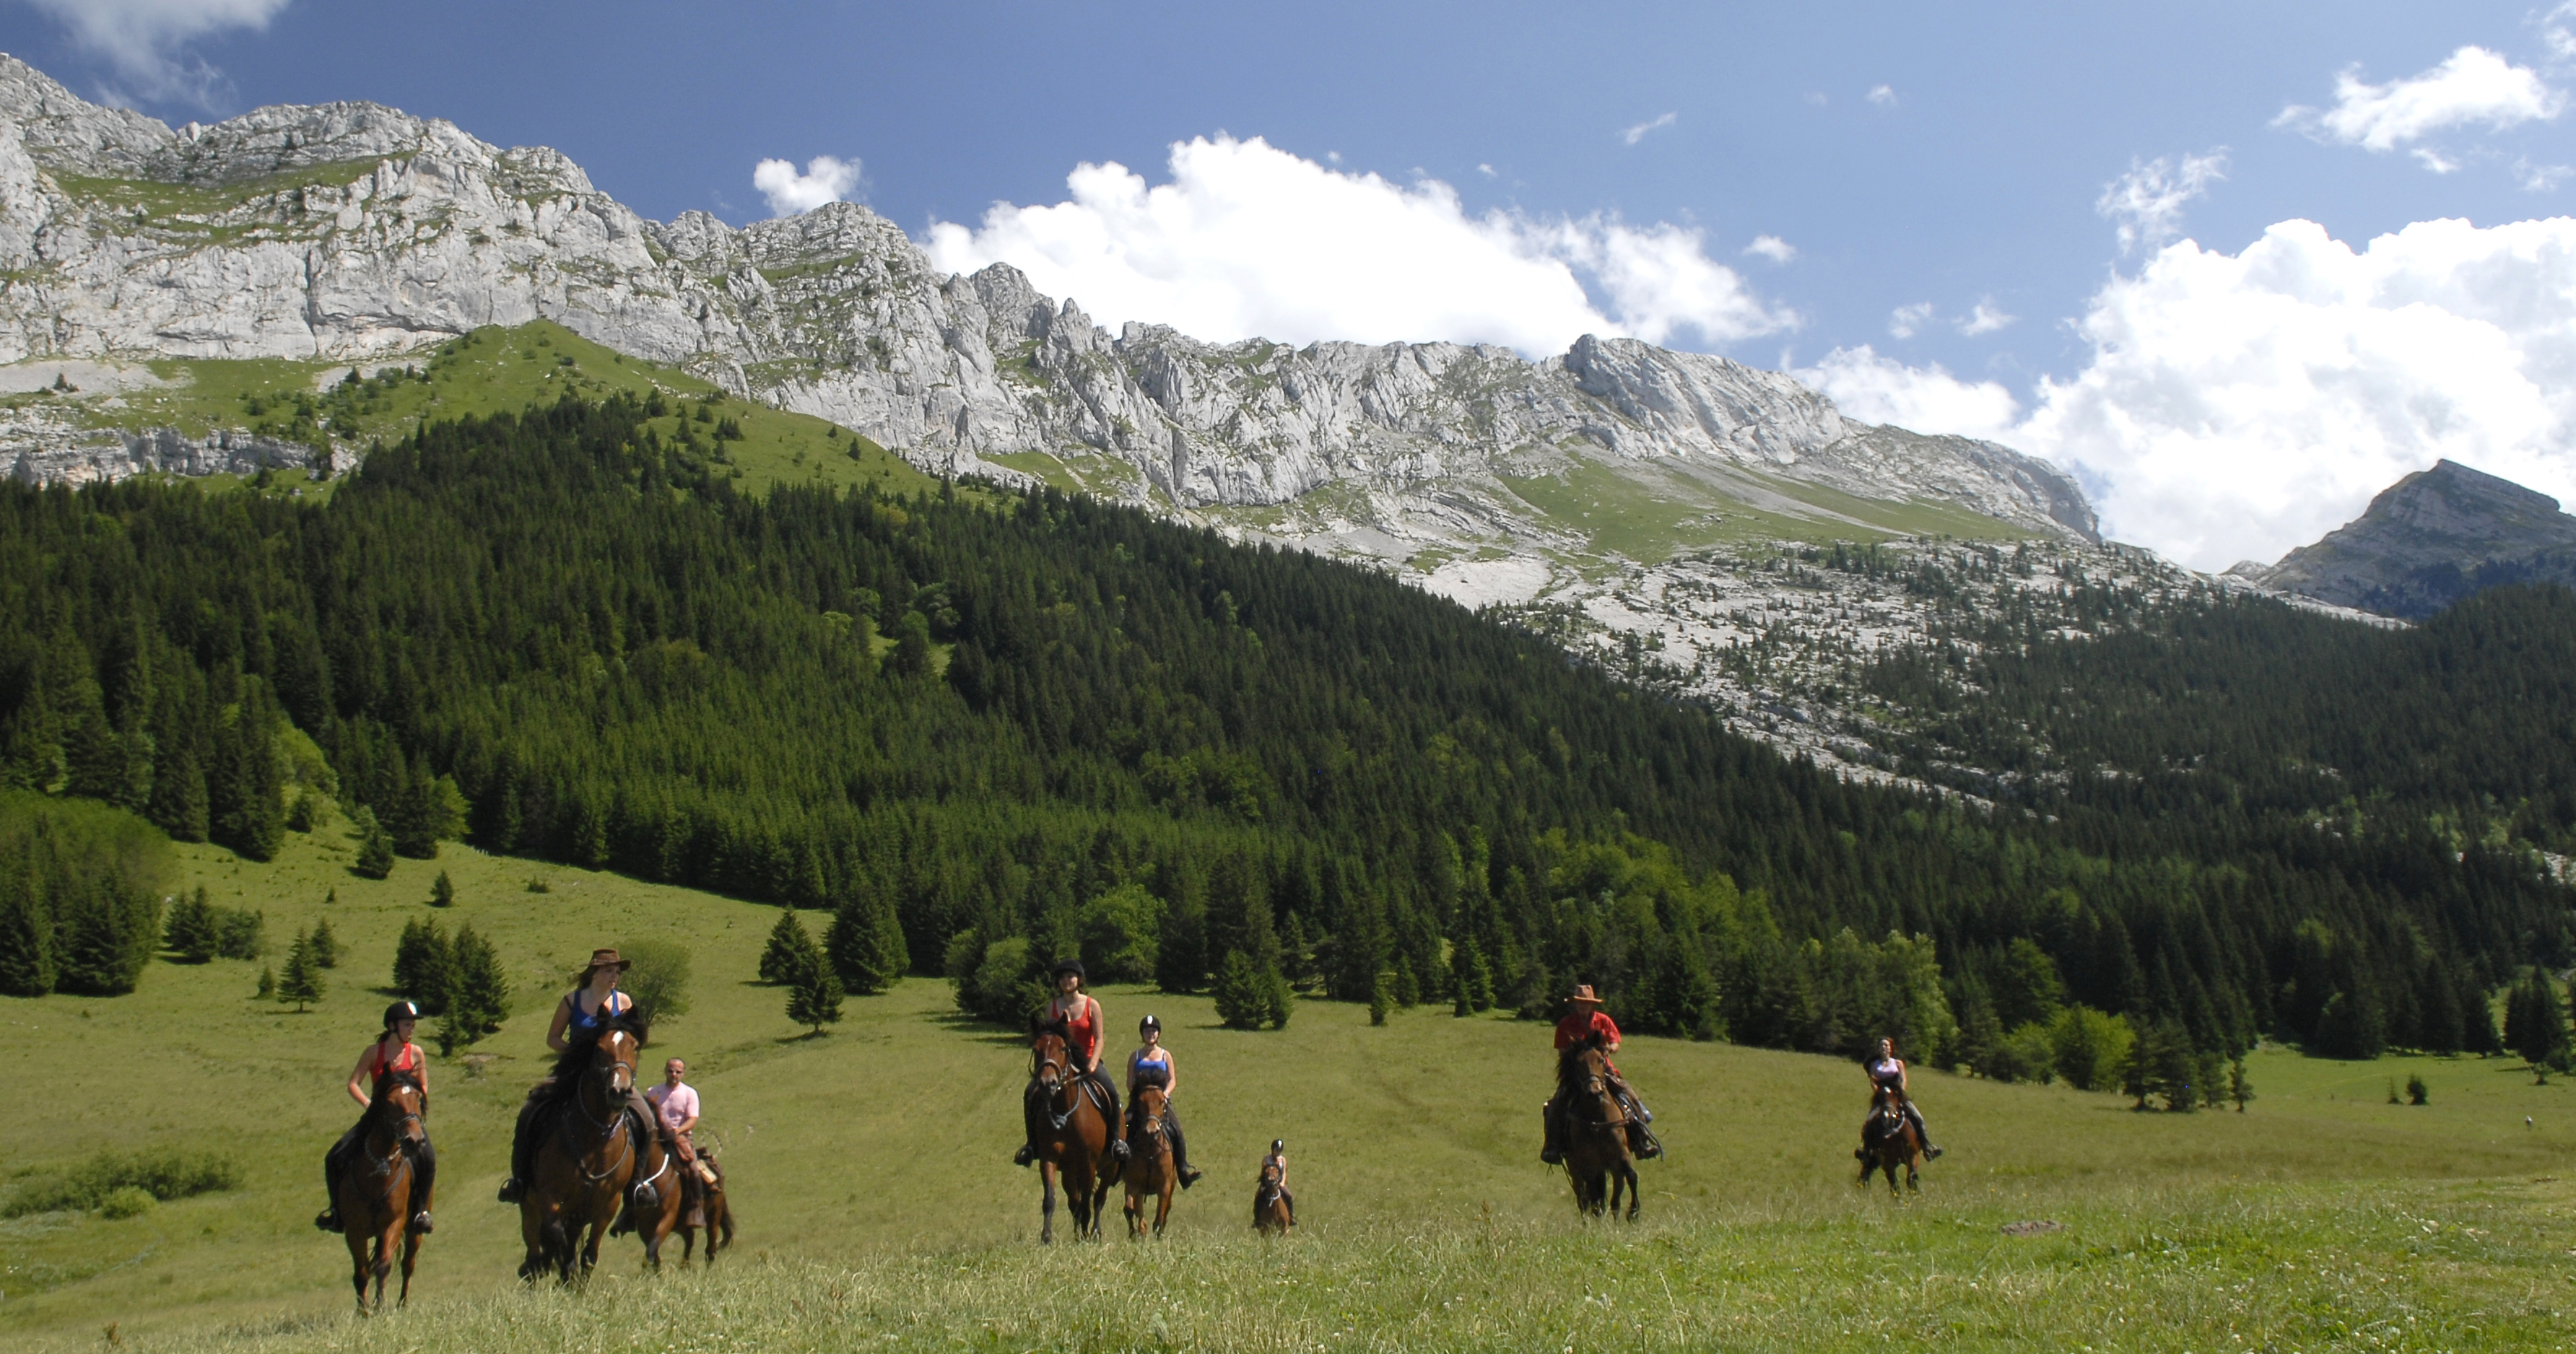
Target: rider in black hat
x: 1151, y: 1065
x: 1078, y: 1015
x: 392, y: 1052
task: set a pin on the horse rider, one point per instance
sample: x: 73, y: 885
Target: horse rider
x: 1079, y: 1015
x: 1151, y: 1065
x: 1584, y: 1019
x: 392, y: 1052
x: 1278, y: 1157
x: 678, y: 1102
x: 584, y: 1014
x: 1887, y: 1073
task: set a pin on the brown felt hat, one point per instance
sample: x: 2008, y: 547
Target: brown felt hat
x: 600, y: 959
x: 1583, y: 996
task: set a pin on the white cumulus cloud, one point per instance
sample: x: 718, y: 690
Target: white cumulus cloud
x: 140, y: 39
x: 1877, y: 389
x: 1985, y: 318
x: 2147, y: 202
x: 2236, y: 406
x: 2471, y: 87
x: 1772, y: 247
x: 1638, y: 133
x: 1906, y: 321
x: 826, y: 179
x: 1247, y: 240
x: 1883, y: 95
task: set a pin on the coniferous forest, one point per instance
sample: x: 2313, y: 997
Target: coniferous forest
x: 985, y: 729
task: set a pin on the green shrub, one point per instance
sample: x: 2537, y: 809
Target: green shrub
x: 127, y: 1202
x: 165, y: 1174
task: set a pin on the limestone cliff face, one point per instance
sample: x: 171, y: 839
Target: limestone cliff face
x: 2427, y: 541
x: 352, y: 230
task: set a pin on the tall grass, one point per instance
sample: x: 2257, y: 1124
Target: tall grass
x: 2425, y: 1266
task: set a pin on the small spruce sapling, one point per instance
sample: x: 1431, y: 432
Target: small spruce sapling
x: 326, y: 946
x: 301, y: 983
x: 442, y: 893
x: 814, y: 996
x: 1381, y: 998
x: 267, y: 984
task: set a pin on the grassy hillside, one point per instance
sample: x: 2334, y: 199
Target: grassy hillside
x: 877, y: 1200
x: 490, y: 371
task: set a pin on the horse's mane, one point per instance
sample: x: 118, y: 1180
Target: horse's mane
x: 575, y: 1059
x: 389, y: 1078
x: 1569, y: 1066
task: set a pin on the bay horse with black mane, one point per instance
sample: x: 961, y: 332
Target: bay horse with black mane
x: 1270, y: 1216
x: 1596, y: 1132
x: 1079, y: 1142
x: 375, y: 1202
x: 592, y: 1154
x: 1149, y: 1171
x: 708, y: 1209
x: 1888, y: 1141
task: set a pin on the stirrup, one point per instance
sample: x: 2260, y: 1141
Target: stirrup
x: 420, y: 1222
x: 513, y: 1190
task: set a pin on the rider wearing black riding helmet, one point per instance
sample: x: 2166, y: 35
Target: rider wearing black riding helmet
x: 1151, y: 1065
x: 392, y: 1052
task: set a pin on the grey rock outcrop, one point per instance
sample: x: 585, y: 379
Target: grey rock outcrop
x: 352, y: 230
x: 2427, y: 541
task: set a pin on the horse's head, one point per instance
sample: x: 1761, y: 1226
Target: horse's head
x: 612, y: 1061
x: 1270, y: 1175
x: 399, y: 1102
x: 1584, y: 1069
x: 1151, y: 1101
x: 1050, y: 1056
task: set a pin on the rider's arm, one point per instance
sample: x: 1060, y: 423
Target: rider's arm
x: 1171, y: 1074
x: 1099, y: 1032
x: 1903, y: 1087
x: 555, y: 1032
x: 358, y: 1080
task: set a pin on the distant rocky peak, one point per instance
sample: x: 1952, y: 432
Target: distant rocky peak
x: 2427, y: 541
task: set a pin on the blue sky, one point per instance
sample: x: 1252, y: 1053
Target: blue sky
x: 1973, y: 177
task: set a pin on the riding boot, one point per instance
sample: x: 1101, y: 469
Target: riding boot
x: 1552, y: 1143
x: 1924, y: 1135
x: 1189, y: 1174
x: 523, y: 1150
x: 1117, y: 1120
x: 334, y: 1166
x: 424, y: 1178
x: 1033, y: 1111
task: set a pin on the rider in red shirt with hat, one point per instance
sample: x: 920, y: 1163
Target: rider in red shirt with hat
x: 1585, y: 1020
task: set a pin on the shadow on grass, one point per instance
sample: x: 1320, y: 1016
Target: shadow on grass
x: 979, y: 1029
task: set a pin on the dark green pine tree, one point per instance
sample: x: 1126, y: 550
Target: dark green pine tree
x: 375, y: 847
x: 192, y: 931
x: 865, y: 943
x: 442, y: 893
x: 424, y: 965
x: 1241, y: 1001
x: 301, y: 980
x: 326, y: 946
x: 26, y: 934
x: 814, y: 995
x: 478, y: 994
x: 2535, y: 1023
x: 791, y: 950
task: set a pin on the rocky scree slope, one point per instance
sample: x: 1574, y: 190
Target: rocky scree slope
x: 353, y: 231
x: 2427, y: 541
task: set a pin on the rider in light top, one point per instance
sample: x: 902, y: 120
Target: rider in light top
x: 678, y: 1102
x: 393, y: 1051
x: 1278, y: 1157
x: 1584, y: 1019
x: 583, y: 1015
x: 1079, y: 1015
x: 1151, y: 1065
x: 1887, y: 1072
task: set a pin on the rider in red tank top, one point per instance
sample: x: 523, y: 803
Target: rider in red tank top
x: 1080, y: 1016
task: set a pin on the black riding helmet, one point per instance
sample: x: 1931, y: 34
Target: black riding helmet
x: 1065, y: 966
x: 401, y: 1010
x: 1149, y: 1023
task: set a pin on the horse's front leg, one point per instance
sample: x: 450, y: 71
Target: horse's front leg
x: 410, y: 1258
x: 1628, y: 1176
x: 1162, y: 1210
x: 1046, y: 1182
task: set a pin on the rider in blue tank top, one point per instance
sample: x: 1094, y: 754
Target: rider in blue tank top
x: 1151, y: 1065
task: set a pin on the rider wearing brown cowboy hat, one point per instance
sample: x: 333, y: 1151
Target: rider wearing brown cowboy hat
x: 584, y: 1014
x: 1585, y: 1020
x: 1077, y: 1015
x: 393, y: 1053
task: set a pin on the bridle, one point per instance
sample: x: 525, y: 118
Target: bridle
x: 602, y: 1074
x: 1054, y: 1072
x: 400, y: 1127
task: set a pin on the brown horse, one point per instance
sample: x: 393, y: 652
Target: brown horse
x: 588, y: 1158
x: 1079, y: 1139
x: 376, y: 1202
x: 1596, y: 1132
x: 1888, y: 1140
x: 1149, y: 1172
x: 708, y: 1210
x: 1270, y: 1204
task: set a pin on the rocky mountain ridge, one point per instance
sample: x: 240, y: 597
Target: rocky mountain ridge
x: 2428, y: 540
x: 352, y: 231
